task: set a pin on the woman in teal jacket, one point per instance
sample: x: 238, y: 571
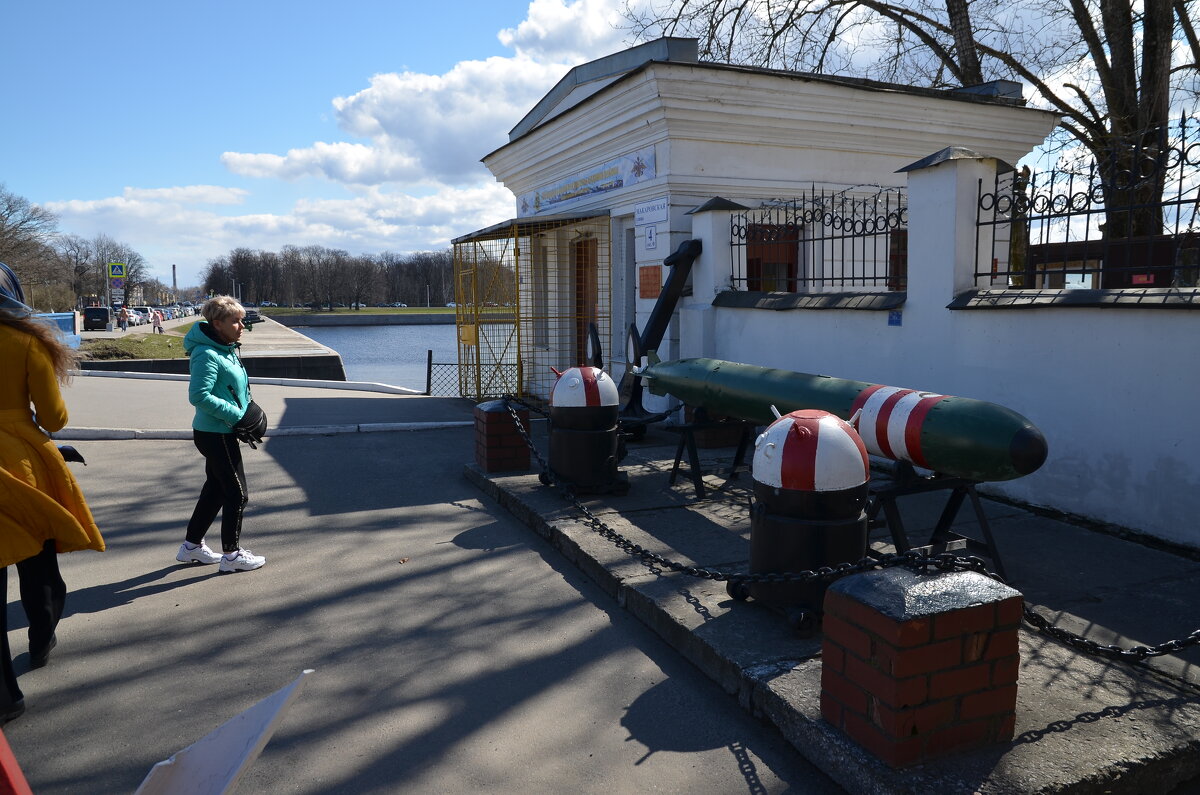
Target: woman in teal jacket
x: 220, y: 391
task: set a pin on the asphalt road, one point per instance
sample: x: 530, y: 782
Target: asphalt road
x: 454, y: 651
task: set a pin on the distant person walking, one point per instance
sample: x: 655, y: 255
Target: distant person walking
x: 225, y: 414
x: 123, y: 318
x: 158, y: 321
x: 42, y: 509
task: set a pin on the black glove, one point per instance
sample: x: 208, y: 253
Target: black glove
x: 252, y: 427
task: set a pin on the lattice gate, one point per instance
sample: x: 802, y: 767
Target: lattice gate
x: 525, y: 292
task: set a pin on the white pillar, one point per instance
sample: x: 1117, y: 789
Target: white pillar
x: 710, y: 275
x: 942, y: 201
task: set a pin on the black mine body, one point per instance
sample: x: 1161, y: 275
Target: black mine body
x: 794, y: 531
x: 586, y: 449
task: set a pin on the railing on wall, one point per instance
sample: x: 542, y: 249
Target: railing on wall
x: 1129, y: 220
x: 825, y: 240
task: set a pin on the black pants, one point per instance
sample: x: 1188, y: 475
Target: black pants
x: 43, y: 595
x: 224, y: 489
x: 10, y: 691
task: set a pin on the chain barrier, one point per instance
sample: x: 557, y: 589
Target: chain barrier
x: 914, y: 560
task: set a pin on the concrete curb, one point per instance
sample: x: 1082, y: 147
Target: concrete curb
x: 752, y: 655
x: 357, y: 386
x: 118, y: 434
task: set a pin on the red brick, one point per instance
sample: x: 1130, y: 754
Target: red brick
x: 959, y: 737
x: 960, y: 622
x: 832, y: 711
x: 1006, y: 729
x: 833, y: 656
x: 504, y: 463
x: 1006, y: 671
x: 895, y: 693
x: 897, y: 633
x: 849, y: 637
x: 1010, y: 611
x: 905, y: 723
x: 849, y: 694
x: 971, y: 679
x: 993, y: 702
x: 890, y: 751
x: 1002, y: 644
x: 902, y: 663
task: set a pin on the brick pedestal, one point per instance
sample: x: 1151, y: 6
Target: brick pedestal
x: 916, y: 667
x: 498, y: 445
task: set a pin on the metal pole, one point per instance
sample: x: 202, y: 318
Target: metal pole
x: 428, y: 372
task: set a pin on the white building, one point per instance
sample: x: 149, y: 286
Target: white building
x: 630, y: 155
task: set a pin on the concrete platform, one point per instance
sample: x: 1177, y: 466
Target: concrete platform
x: 1084, y: 723
x: 269, y: 350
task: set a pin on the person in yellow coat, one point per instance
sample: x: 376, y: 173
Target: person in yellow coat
x: 42, y: 509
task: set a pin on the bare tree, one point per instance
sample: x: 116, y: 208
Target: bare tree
x: 77, y: 255
x: 24, y: 227
x: 1112, y: 68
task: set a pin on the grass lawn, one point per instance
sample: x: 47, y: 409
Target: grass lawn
x: 371, y: 310
x: 139, y: 346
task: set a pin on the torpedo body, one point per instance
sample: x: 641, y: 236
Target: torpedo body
x: 955, y: 436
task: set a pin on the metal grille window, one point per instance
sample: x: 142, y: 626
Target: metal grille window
x: 823, y: 241
x: 526, y: 291
x: 1128, y: 220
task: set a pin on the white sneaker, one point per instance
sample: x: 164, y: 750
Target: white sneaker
x: 201, y: 554
x: 243, y: 560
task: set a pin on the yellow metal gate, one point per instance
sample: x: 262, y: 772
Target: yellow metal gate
x: 525, y: 292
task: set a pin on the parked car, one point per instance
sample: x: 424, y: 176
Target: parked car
x: 451, y: 304
x: 397, y: 304
x: 97, y: 318
x: 252, y: 317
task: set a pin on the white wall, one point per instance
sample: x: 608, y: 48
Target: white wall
x: 1114, y: 390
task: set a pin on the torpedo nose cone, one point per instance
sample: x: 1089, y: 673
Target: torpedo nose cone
x: 1028, y: 450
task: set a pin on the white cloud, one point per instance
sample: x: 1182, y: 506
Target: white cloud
x: 424, y: 128
x: 170, y: 225
x: 410, y: 161
x: 191, y: 194
x: 557, y: 32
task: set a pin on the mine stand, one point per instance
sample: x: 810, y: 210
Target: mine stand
x: 901, y: 480
x: 687, y: 441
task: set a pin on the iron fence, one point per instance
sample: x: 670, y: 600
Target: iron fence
x: 450, y: 379
x: 824, y: 240
x: 1125, y: 220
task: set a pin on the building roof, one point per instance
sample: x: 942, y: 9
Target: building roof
x: 584, y: 81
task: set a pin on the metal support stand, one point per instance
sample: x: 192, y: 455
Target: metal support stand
x: 687, y: 440
x: 905, y: 481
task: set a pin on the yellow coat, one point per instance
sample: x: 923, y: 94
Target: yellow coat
x: 39, y: 497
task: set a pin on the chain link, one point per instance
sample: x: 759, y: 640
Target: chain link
x: 914, y: 560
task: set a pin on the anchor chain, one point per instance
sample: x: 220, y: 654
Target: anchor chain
x: 914, y: 560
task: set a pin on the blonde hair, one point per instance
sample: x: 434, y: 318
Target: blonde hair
x: 62, y: 356
x: 220, y: 307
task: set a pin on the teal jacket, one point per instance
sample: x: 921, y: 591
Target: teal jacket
x: 219, y: 388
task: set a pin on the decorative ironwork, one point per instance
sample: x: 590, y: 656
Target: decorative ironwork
x: 823, y: 240
x: 1127, y: 220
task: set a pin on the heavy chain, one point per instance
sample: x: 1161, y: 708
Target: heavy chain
x: 914, y: 560
x: 1112, y: 651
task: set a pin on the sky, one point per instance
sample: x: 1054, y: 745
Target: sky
x: 186, y: 129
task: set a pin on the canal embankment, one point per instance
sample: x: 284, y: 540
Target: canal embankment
x: 366, y: 319
x: 270, y: 350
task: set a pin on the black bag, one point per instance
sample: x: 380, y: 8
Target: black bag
x: 252, y: 427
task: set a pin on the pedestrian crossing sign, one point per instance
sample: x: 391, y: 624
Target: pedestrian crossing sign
x: 116, y: 270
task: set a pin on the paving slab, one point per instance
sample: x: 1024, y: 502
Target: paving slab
x: 1084, y: 723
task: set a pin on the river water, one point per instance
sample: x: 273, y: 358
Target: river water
x: 393, y: 355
